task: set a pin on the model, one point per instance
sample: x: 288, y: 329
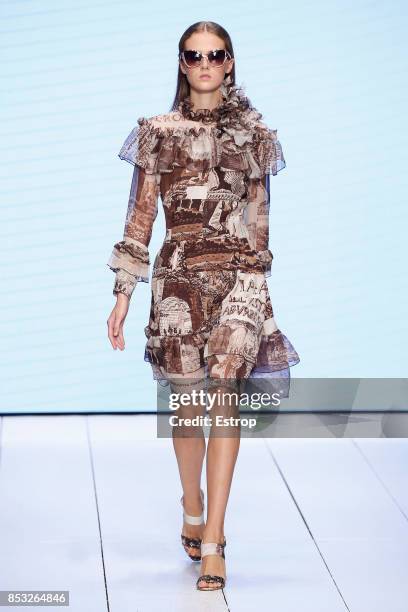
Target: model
x: 210, y: 159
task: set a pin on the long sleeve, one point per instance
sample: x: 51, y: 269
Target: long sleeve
x: 130, y: 257
x: 271, y: 160
x: 258, y: 219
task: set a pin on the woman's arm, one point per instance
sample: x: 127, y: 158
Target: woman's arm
x: 130, y: 258
x: 258, y: 219
x: 271, y: 160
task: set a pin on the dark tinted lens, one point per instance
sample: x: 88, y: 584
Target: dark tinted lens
x: 192, y: 58
x: 216, y: 58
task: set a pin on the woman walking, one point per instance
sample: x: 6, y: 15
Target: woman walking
x: 210, y: 159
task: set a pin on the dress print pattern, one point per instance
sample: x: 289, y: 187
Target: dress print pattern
x: 211, y: 312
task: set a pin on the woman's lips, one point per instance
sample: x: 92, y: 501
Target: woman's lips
x: 205, y: 76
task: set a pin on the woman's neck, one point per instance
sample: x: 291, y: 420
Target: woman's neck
x: 207, y: 100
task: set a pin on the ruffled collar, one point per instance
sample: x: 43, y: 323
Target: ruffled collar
x: 236, y: 140
x: 228, y: 111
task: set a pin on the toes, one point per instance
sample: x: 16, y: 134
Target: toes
x: 193, y: 553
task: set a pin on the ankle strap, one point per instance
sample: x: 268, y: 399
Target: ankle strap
x: 212, y: 548
x: 194, y: 520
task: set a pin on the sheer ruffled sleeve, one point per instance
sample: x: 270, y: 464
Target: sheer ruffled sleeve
x: 269, y: 150
x: 130, y: 258
x: 258, y: 220
x: 271, y: 160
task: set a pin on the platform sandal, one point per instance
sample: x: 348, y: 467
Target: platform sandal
x: 212, y: 548
x: 192, y: 520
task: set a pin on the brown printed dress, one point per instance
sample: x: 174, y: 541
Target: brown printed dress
x: 211, y: 312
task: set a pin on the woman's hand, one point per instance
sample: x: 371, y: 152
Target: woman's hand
x: 117, y: 320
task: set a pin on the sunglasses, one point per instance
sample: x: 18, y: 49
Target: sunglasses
x: 215, y: 58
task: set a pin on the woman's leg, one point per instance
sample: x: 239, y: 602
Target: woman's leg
x: 222, y: 453
x: 189, y: 446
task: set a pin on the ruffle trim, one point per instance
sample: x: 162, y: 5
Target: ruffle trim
x: 233, y: 103
x: 161, y: 149
x: 126, y: 282
x: 266, y: 258
x: 130, y: 260
x: 276, y: 355
x: 235, y: 139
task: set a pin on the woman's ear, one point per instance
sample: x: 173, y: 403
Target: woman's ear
x: 230, y: 64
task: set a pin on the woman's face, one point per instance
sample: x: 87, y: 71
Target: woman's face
x: 205, y: 42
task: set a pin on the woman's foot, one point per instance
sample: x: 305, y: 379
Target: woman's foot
x: 212, y: 564
x: 193, y: 508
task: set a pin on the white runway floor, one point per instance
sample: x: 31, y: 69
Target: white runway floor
x: 92, y: 505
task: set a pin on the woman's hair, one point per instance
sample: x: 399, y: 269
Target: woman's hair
x: 183, y: 87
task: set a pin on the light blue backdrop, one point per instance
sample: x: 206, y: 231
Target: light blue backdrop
x: 330, y: 76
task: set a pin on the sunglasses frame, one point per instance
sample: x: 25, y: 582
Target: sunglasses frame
x: 227, y: 53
